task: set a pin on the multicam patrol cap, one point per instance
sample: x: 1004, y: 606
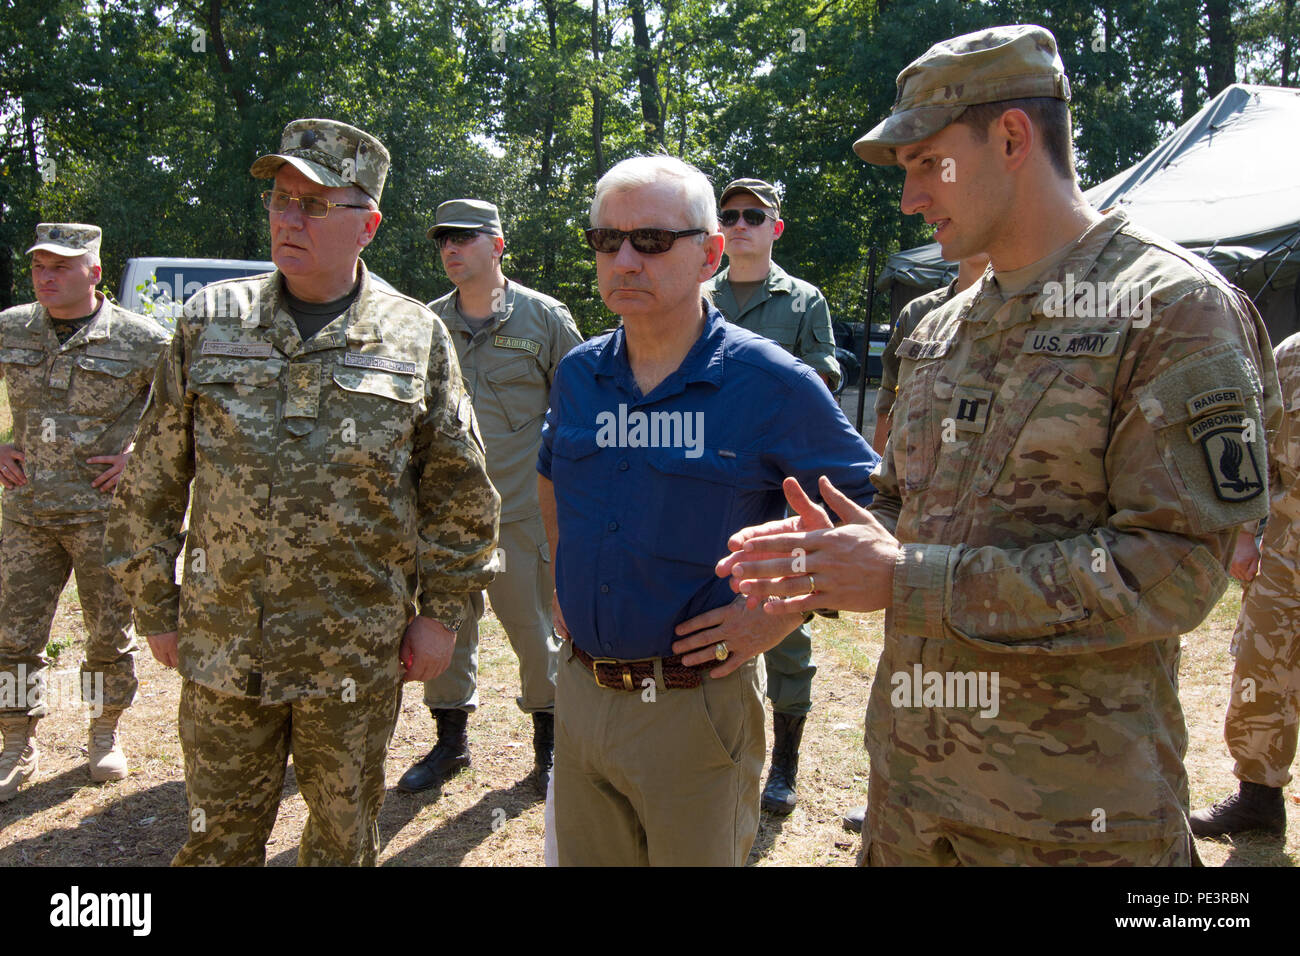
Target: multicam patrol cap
x: 330, y: 153
x: 1001, y: 63
x: 763, y: 192
x: 466, y: 214
x: 67, y: 238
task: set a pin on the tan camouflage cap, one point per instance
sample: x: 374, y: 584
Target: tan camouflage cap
x: 763, y: 192
x: 67, y: 238
x: 330, y: 153
x: 466, y: 214
x: 1001, y: 63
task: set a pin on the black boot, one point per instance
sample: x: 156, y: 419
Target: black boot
x: 543, y: 747
x: 1253, y: 807
x: 449, y: 755
x: 779, y: 796
x: 852, y: 821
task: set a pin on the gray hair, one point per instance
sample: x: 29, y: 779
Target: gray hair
x: 636, y: 171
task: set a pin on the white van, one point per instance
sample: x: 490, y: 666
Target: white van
x: 159, y: 285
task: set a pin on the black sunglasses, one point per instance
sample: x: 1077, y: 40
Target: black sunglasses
x: 754, y: 217
x: 650, y: 242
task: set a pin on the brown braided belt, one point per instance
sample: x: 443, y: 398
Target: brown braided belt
x: 631, y: 675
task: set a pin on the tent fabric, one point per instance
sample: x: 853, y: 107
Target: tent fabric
x: 1225, y: 185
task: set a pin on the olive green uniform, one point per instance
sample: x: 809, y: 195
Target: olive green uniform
x: 508, y: 366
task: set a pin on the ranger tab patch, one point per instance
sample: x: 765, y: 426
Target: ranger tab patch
x: 1215, y: 398
x: 509, y: 342
x: 1230, y: 459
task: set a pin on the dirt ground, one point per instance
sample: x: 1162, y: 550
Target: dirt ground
x: 489, y: 815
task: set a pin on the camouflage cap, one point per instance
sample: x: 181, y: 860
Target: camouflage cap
x: 330, y: 153
x: 466, y: 214
x: 763, y: 192
x: 1001, y: 63
x: 67, y: 238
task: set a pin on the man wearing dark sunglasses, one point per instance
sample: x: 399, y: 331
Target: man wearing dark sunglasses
x: 662, y: 437
x: 509, y: 339
x: 756, y: 293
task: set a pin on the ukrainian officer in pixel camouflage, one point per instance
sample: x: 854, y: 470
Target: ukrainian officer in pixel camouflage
x: 78, y: 370
x: 757, y: 294
x: 1058, y: 500
x: 342, y: 514
x: 1261, y: 723
x: 509, y: 339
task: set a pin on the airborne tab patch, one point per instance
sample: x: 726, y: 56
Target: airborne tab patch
x: 917, y: 350
x: 1092, y: 344
x: 237, y: 349
x: 357, y: 360
x: 1229, y: 457
x: 509, y: 342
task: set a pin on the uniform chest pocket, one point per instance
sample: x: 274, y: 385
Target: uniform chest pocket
x: 917, y: 427
x: 1016, y: 403
x: 101, y: 386
x: 783, y: 329
x: 370, y: 418
x: 520, y: 388
x: 23, y: 370
x: 234, y: 398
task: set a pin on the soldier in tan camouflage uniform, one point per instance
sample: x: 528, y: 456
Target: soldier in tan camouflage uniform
x: 1058, y: 499
x: 78, y: 370
x: 1260, y: 727
x: 509, y: 340
x: 342, y: 513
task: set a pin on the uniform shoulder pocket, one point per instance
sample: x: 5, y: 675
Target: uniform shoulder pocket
x: 1206, y: 417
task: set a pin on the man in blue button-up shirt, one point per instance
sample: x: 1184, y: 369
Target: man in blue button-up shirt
x: 663, y: 438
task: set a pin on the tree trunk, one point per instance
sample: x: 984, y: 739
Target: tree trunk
x: 1221, y: 62
x: 597, y: 97
x: 1288, y: 39
x: 647, y: 76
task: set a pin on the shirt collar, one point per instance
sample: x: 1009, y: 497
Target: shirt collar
x: 703, y: 363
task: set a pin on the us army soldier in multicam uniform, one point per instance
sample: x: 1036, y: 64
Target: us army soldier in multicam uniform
x: 757, y: 294
x: 1058, y: 499
x: 78, y: 370
x: 509, y: 340
x: 1261, y: 723
x: 342, y: 513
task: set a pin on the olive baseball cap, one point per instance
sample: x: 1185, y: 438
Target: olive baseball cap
x: 466, y: 214
x: 67, y: 238
x: 763, y: 192
x: 329, y: 153
x: 1001, y: 63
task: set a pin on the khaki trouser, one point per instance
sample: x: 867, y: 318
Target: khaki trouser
x: 663, y: 779
x: 235, y: 752
x: 35, y: 562
x: 894, y: 835
x: 790, y: 672
x: 1261, y: 723
x: 521, y: 600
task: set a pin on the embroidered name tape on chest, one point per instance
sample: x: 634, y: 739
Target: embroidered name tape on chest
x: 238, y: 349
x: 916, y: 350
x: 507, y: 342
x: 1095, y: 344
x: 377, y: 361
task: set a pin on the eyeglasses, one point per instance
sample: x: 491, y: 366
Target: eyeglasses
x: 312, y: 206
x: 459, y: 238
x: 753, y: 217
x: 650, y: 242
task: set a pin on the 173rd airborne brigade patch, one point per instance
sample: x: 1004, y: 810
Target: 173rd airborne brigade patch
x: 1227, y: 439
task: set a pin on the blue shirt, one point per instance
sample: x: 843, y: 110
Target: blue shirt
x: 649, y: 488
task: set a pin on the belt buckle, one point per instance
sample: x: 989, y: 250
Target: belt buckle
x: 627, y: 672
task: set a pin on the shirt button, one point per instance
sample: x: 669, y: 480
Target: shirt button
x: 623, y: 465
x: 612, y: 526
x: 604, y: 589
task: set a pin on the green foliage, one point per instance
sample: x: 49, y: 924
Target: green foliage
x: 152, y: 115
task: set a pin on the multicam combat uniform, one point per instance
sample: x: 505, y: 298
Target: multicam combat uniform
x: 508, y: 367
x: 70, y: 402
x: 338, y: 485
x: 1067, y: 490
x: 1261, y: 724
x: 908, y: 319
